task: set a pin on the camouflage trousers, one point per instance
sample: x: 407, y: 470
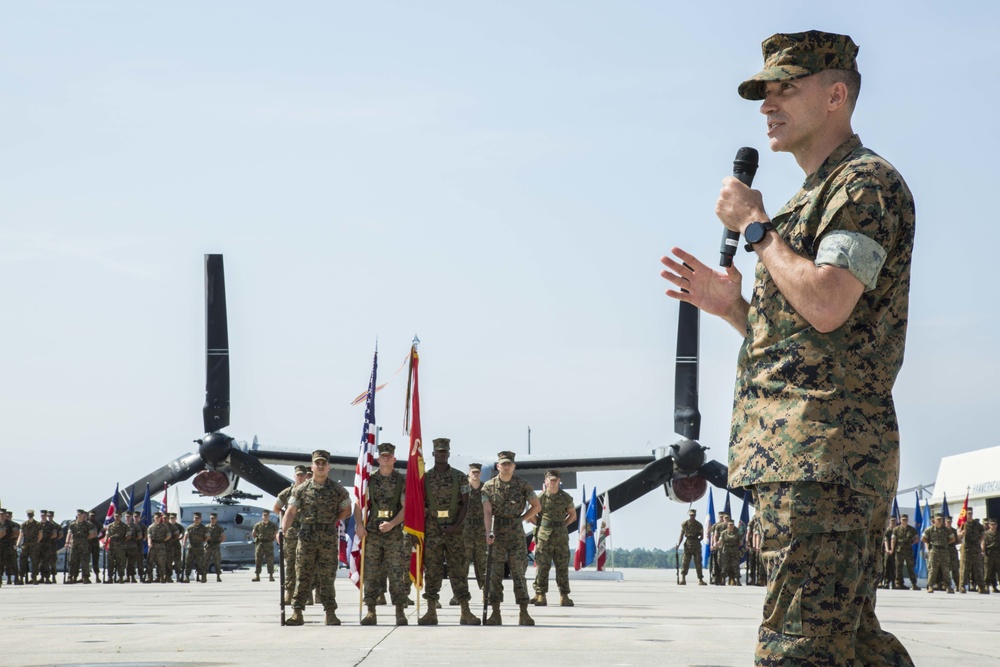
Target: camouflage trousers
x: 937, y: 567
x: 384, y: 558
x: 30, y: 553
x: 729, y: 558
x: 213, y: 554
x: 822, y: 546
x: 316, y: 558
x: 49, y: 560
x: 264, y: 553
x: 116, y: 560
x: 175, y: 557
x: 195, y: 561
x: 992, y: 568
x: 475, y: 551
x: 904, y: 565
x: 79, y: 557
x: 888, y: 569
x: 972, y: 567
x: 548, y: 552
x: 953, y: 565
x: 8, y: 559
x: 440, y: 549
x: 133, y: 559
x: 509, y: 548
x: 692, y: 552
x: 95, y: 555
x: 289, y: 548
x: 157, y: 559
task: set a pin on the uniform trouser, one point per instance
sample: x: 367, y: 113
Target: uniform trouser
x: 553, y: 550
x: 264, y: 553
x: 730, y: 558
x: 938, y: 567
x: 888, y: 569
x: 972, y: 566
x: 992, y: 568
x: 439, y: 549
x: 95, y: 555
x: 689, y: 555
x: 290, y: 548
x: 822, y: 544
x: 195, y: 561
x: 79, y: 557
x: 49, y: 560
x: 316, y: 557
x: 904, y: 565
x: 953, y: 565
x: 475, y: 551
x: 9, y: 560
x: 133, y: 558
x: 176, y: 564
x: 29, y: 554
x: 509, y: 548
x: 157, y: 560
x: 213, y: 553
x: 116, y: 560
x: 384, y: 558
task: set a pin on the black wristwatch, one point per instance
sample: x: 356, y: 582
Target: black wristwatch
x: 755, y: 233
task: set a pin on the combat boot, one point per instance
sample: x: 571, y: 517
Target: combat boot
x: 295, y: 618
x: 524, y: 619
x: 951, y: 590
x: 564, y: 601
x: 370, y: 618
x: 18, y: 581
x: 683, y: 581
x: 331, y: 617
x: 984, y: 590
x: 701, y: 582
x: 930, y: 589
x: 996, y: 590
x: 401, y: 615
x: 218, y: 577
x: 468, y: 618
x: 431, y: 617
x: 256, y: 577
x: 494, y: 618
x: 270, y: 577
x: 540, y: 600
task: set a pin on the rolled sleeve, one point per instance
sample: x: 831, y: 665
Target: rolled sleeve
x: 853, y: 251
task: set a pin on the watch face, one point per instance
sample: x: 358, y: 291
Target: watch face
x: 755, y: 233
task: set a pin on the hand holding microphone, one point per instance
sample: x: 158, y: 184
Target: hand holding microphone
x: 744, y: 169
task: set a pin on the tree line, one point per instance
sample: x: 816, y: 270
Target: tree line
x: 644, y: 558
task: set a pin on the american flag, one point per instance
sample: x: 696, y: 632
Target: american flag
x: 363, y: 471
x: 108, y: 518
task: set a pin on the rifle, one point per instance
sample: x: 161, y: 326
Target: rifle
x: 489, y: 575
x: 281, y: 571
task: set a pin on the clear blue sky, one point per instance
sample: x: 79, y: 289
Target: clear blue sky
x: 499, y: 178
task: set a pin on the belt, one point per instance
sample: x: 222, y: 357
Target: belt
x: 506, y: 520
x: 549, y: 523
x: 321, y: 526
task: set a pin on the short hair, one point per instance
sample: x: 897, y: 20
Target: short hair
x: 850, y: 79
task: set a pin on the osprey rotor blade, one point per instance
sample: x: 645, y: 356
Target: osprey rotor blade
x: 687, y: 419
x: 174, y: 472
x: 246, y: 466
x: 216, y: 410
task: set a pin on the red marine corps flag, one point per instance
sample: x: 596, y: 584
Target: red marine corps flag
x: 964, y: 514
x: 413, y: 509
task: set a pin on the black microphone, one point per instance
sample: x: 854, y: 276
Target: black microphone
x: 744, y: 169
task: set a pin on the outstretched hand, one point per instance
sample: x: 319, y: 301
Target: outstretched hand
x: 715, y: 292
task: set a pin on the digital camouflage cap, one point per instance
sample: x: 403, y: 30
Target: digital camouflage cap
x: 797, y: 55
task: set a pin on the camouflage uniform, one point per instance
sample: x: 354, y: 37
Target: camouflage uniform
x: 116, y: 533
x: 81, y: 530
x: 904, y: 554
x: 475, y: 545
x: 814, y: 428
x: 197, y: 533
x: 693, y: 532
x: 953, y: 560
x: 444, y: 491
x: 937, y: 538
x: 289, y: 546
x: 175, y: 552
x: 30, y: 531
x: 50, y: 534
x: 715, y: 540
x: 384, y: 551
x: 263, y: 534
x: 6, y: 539
x: 888, y: 560
x: 317, y: 552
x: 158, y: 534
x: 94, y: 544
x: 552, y: 541
x: 213, y: 550
x: 732, y: 552
x: 135, y: 538
x: 508, y: 500
x: 972, y: 557
x: 8, y: 552
x: 991, y: 545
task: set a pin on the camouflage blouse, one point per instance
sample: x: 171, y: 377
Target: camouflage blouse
x: 319, y: 503
x: 813, y: 406
x: 196, y: 535
x: 552, y: 516
x: 264, y: 532
x: 386, y: 496
x: 937, y: 536
x: 507, y: 499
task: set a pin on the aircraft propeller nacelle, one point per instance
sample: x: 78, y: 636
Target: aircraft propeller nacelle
x: 688, y: 456
x: 215, y: 483
x: 214, y: 448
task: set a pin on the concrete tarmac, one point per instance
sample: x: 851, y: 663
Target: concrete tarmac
x: 645, y: 619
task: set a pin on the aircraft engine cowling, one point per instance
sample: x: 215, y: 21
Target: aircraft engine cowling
x: 214, y: 482
x: 686, y: 489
